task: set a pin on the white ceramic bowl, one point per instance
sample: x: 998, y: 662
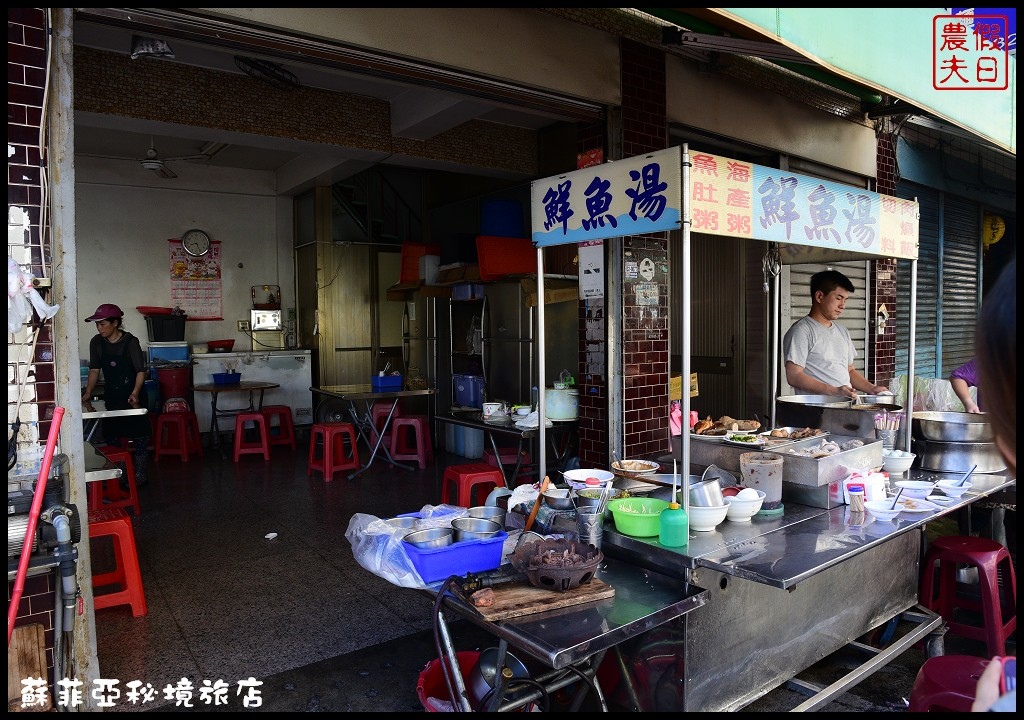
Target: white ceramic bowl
x: 918, y: 489
x: 950, y: 487
x: 577, y: 479
x: 743, y: 510
x: 706, y: 519
x: 881, y: 509
x: 897, y: 464
x: 523, y: 411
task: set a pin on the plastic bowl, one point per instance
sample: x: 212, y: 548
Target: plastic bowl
x: 706, y: 519
x: 577, y: 479
x: 917, y: 489
x: 558, y: 498
x: 220, y: 345
x: 951, y: 488
x: 472, y: 528
x: 882, y: 509
x: 897, y: 464
x: 430, y: 538
x: 638, y: 517
x: 743, y: 510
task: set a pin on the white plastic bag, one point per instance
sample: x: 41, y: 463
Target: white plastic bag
x: 377, y: 544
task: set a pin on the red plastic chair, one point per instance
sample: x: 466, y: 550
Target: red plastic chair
x: 127, y: 575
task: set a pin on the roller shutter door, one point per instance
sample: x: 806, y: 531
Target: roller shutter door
x: 927, y: 329
x: 959, y: 281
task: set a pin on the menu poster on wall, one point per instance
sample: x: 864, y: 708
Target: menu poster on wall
x: 196, y: 281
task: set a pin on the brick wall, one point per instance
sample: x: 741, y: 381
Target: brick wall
x: 883, y: 272
x: 644, y: 343
x: 26, y: 71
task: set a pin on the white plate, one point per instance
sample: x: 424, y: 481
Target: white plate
x: 707, y: 438
x: 757, y: 443
x: 920, y: 506
x: 650, y: 467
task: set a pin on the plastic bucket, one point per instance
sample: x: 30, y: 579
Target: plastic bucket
x: 763, y: 471
x: 431, y: 688
x: 174, y: 382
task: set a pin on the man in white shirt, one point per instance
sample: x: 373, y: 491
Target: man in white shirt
x: 818, y: 351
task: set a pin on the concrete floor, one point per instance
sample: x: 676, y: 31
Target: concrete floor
x: 297, y: 612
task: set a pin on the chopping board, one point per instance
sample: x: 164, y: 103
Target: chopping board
x: 518, y: 599
x: 26, y: 658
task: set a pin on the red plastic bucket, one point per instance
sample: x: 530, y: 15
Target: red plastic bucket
x: 174, y: 382
x: 431, y: 682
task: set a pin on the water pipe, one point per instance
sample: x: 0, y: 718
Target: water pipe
x: 33, y: 520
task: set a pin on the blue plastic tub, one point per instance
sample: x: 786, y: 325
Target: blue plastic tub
x: 386, y: 382
x: 434, y: 564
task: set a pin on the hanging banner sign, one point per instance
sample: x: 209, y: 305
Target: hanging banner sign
x: 740, y: 199
x: 642, y: 194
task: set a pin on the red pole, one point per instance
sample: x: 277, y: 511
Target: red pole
x: 33, y: 519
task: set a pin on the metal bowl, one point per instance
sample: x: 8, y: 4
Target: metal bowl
x: 488, y: 512
x: 408, y: 522
x: 951, y: 427
x: 836, y: 401
x: 558, y: 498
x: 472, y: 528
x: 430, y: 538
x: 707, y: 493
x: 889, y: 400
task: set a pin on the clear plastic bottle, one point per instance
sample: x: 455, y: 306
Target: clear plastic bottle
x: 674, y: 526
x: 534, y: 399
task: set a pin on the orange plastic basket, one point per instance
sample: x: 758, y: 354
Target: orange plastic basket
x: 501, y: 256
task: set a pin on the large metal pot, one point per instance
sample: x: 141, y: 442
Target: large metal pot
x: 951, y: 427
x: 958, y: 457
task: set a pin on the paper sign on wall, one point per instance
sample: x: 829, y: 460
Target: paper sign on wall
x: 196, y: 281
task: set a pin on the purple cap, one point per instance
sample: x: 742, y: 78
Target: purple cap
x: 104, y: 311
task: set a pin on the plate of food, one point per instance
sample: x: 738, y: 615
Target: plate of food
x: 745, y: 439
x: 915, y: 505
x: 639, y: 467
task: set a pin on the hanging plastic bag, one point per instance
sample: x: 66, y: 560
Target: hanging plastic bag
x: 22, y: 297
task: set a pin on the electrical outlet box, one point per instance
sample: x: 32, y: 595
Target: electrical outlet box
x: 243, y: 326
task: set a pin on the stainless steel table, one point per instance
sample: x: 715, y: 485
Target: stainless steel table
x: 786, y: 591
x: 363, y: 418
x: 92, y: 418
x: 562, y: 435
x: 579, y: 636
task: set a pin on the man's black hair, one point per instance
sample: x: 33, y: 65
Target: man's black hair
x: 829, y: 280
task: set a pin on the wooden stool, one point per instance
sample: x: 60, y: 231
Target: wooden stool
x: 421, y: 449
x: 332, y: 438
x: 464, y: 478
x: 260, y: 446
x: 946, y: 683
x: 110, y: 490
x: 286, y: 429
x: 177, y: 433
x: 126, y: 575
x: 999, y: 612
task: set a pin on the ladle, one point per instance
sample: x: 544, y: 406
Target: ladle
x: 896, y: 498
x: 967, y: 475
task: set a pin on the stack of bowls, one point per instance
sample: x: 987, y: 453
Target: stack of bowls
x: 471, y: 528
x: 707, y: 505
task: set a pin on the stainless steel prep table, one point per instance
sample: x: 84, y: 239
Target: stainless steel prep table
x: 580, y: 635
x: 785, y: 592
x: 562, y: 434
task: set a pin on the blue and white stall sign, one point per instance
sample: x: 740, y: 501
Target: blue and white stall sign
x: 637, y: 195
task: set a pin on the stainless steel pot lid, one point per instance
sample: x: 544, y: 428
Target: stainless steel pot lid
x: 817, y: 400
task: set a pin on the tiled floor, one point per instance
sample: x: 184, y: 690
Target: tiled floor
x: 227, y: 603
x: 297, y: 612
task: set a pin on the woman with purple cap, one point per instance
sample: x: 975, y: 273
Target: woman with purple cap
x: 119, y: 355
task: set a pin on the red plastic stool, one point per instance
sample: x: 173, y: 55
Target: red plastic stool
x: 110, y: 490
x: 464, y: 478
x: 177, y: 433
x: 508, y: 457
x: 946, y: 683
x: 127, y: 575
x: 421, y: 450
x: 286, y: 429
x: 332, y: 438
x: 379, y: 415
x: 260, y: 446
x: 998, y: 611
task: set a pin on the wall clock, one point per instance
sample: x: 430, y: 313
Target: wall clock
x: 195, y: 242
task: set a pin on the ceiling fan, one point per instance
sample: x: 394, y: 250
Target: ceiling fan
x: 153, y: 161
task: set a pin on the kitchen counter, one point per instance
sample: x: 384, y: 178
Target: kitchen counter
x: 785, y: 592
